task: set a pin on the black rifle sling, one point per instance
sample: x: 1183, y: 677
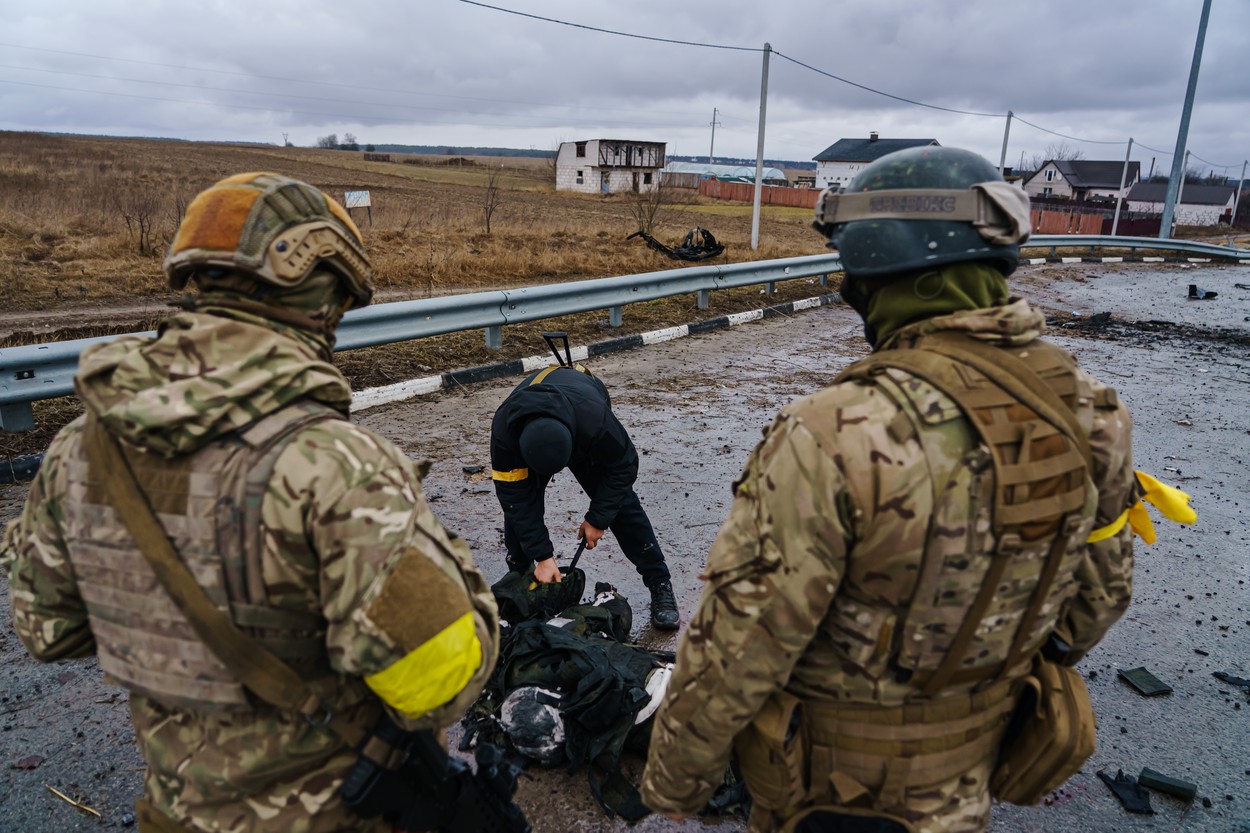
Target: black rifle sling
x: 266, y: 676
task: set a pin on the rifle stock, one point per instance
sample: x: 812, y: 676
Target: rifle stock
x: 430, y: 790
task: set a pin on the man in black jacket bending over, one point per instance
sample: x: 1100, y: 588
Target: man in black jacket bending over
x: 562, y: 417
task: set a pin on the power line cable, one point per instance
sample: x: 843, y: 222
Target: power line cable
x: 795, y: 61
x: 878, y: 92
x: 1065, y: 135
x: 1212, y: 164
x: 612, y: 31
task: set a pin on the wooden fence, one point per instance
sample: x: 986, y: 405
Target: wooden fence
x: 771, y: 194
x: 1066, y: 222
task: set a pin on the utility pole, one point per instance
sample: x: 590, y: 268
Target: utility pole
x: 1119, y: 197
x: 1179, y: 157
x: 1180, y: 191
x: 1237, y: 199
x: 711, y: 150
x: 759, y: 153
x: 285, y: 141
x: 1002, y: 159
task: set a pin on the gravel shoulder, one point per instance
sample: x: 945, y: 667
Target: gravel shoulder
x: 694, y: 408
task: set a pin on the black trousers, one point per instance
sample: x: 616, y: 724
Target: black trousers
x: 631, y: 528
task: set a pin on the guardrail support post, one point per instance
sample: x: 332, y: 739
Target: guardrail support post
x: 1053, y: 250
x: 824, y: 279
x: 614, y: 317
x: 17, y: 416
x: 494, y: 338
x: 705, y: 298
x: 770, y: 288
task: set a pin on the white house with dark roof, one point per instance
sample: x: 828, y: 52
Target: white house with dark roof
x: 1199, y: 205
x: 609, y: 166
x: 838, y: 164
x: 1081, y: 179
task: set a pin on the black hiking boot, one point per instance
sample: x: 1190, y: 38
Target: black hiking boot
x: 664, y: 615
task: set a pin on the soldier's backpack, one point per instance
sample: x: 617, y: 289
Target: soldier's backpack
x: 600, y: 684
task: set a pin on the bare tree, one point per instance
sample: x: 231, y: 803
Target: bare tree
x: 140, y: 207
x: 331, y: 142
x: 1054, y: 152
x: 493, y: 195
x: 648, y: 208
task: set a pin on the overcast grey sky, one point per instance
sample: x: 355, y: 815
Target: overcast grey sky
x: 447, y: 72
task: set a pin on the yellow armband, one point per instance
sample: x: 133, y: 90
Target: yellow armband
x: 1172, y: 502
x: 434, y: 673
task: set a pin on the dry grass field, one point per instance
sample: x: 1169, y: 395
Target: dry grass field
x: 85, y: 222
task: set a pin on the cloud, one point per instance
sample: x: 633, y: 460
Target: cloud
x: 444, y: 72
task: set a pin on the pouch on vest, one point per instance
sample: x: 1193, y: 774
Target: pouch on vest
x: 830, y: 818
x: 1051, y: 735
x: 772, y: 754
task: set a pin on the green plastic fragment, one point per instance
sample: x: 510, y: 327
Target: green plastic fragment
x: 1145, y: 682
x: 1166, y: 784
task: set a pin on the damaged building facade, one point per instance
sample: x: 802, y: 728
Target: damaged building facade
x: 609, y: 166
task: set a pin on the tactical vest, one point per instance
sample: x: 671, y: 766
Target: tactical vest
x: 209, y: 503
x: 1009, y: 524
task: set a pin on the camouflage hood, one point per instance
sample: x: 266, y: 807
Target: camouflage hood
x: 1011, y: 325
x: 202, y: 376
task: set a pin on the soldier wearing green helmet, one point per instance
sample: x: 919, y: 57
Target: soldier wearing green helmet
x: 904, y: 543
x: 305, y: 536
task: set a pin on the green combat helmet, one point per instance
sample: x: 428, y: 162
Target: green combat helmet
x: 924, y: 207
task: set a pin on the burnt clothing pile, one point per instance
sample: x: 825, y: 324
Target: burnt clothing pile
x: 698, y: 245
x: 569, y: 688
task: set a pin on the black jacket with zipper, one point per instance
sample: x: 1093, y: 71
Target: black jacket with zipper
x: 602, y: 453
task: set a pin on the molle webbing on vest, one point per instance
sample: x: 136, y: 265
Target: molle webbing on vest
x: 1040, y: 458
x: 144, y: 640
x: 890, y: 750
x: 1039, y: 467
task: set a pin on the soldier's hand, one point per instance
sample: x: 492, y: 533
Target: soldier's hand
x: 592, y: 534
x: 547, y: 571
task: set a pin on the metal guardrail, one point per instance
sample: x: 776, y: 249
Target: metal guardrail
x: 1106, y: 241
x: 45, y: 371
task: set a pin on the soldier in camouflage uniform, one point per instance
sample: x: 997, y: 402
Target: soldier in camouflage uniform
x: 859, y: 642
x: 312, y: 532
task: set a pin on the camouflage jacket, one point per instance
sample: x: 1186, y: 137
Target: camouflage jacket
x: 346, y: 533
x: 816, y: 562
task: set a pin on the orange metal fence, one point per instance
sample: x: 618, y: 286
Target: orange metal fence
x: 1066, y: 222
x: 772, y: 194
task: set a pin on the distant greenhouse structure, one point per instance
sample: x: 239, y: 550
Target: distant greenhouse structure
x: 688, y: 174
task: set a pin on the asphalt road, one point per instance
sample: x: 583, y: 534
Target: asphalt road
x: 695, y: 408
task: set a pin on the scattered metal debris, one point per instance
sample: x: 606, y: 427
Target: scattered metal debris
x: 698, y: 245
x: 1145, y: 682
x: 473, y: 469
x: 1166, y: 784
x: 1225, y: 677
x: 1197, y: 294
x: 1131, y: 794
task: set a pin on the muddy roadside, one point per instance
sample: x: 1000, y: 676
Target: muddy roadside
x: 695, y: 407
